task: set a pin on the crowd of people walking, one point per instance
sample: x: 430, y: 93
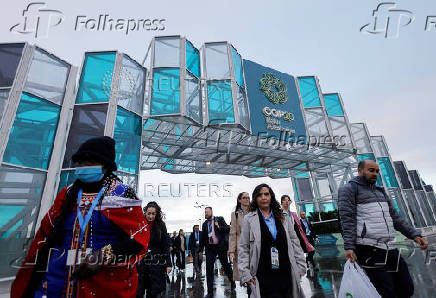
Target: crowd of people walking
x: 96, y: 240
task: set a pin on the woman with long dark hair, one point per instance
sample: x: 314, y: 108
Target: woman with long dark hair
x: 90, y: 237
x: 271, y: 261
x: 157, y: 263
x: 237, y: 217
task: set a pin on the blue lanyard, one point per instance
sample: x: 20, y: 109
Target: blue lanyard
x: 83, y: 221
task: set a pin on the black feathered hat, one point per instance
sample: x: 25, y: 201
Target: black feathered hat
x: 99, y: 149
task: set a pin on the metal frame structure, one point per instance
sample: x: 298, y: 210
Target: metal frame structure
x: 30, y: 188
x: 396, y: 193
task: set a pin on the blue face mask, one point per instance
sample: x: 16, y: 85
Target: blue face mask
x: 89, y: 174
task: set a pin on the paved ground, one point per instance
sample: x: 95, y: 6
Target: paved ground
x: 324, y: 283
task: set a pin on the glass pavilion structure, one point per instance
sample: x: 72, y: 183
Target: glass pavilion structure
x: 183, y: 110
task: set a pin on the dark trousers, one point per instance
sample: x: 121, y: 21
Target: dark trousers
x: 196, y: 260
x: 181, y: 260
x: 174, y: 256
x: 141, y: 280
x: 309, y: 257
x: 274, y: 284
x: 212, y: 251
x: 387, y: 271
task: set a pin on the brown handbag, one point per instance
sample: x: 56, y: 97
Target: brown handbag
x: 189, y: 259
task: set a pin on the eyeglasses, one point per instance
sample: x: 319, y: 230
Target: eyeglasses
x: 245, y: 198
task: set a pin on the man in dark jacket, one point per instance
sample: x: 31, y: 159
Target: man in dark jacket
x: 213, y: 239
x: 194, y: 249
x: 311, y: 237
x: 173, y: 248
x: 180, y: 244
x: 369, y: 220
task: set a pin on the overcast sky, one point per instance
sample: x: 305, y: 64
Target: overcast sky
x: 389, y: 83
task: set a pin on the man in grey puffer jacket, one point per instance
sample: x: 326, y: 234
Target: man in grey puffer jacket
x: 369, y: 220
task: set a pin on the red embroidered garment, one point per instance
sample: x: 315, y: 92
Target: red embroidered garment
x: 112, y: 281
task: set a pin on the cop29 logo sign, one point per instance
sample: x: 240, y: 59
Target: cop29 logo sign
x: 268, y: 83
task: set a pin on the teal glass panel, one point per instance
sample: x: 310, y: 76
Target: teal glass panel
x: 192, y: 98
x: 168, y: 163
x: 13, y: 229
x: 192, y: 59
x: 32, y: 134
x: 333, y: 105
x: 256, y: 171
x: 167, y: 51
x: 96, y: 78
x: 328, y: 207
x: 242, y: 104
x: 217, y: 61
x: 309, y: 92
x: 294, y: 186
x: 302, y: 174
x: 388, y: 172
x: 67, y: 178
x: 308, y: 208
x: 47, y: 77
x: 127, y: 135
x: 165, y: 96
x: 396, y: 206
x: 88, y: 122
x: 131, y: 86
x: 366, y: 156
x: 220, y: 102
x: 8, y: 212
x: 237, y: 66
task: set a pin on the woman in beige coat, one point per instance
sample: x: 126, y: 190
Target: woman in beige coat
x: 270, y: 258
x: 242, y: 205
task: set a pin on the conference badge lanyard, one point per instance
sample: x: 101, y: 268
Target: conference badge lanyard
x: 274, y: 258
x: 83, y: 223
x: 210, y: 232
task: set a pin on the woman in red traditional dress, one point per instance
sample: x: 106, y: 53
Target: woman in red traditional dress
x: 92, y: 236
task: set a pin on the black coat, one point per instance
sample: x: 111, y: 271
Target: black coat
x: 173, y: 243
x: 312, y: 235
x: 154, y: 264
x: 221, y: 233
x: 191, y: 242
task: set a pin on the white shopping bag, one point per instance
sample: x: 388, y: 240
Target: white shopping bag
x: 355, y: 283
